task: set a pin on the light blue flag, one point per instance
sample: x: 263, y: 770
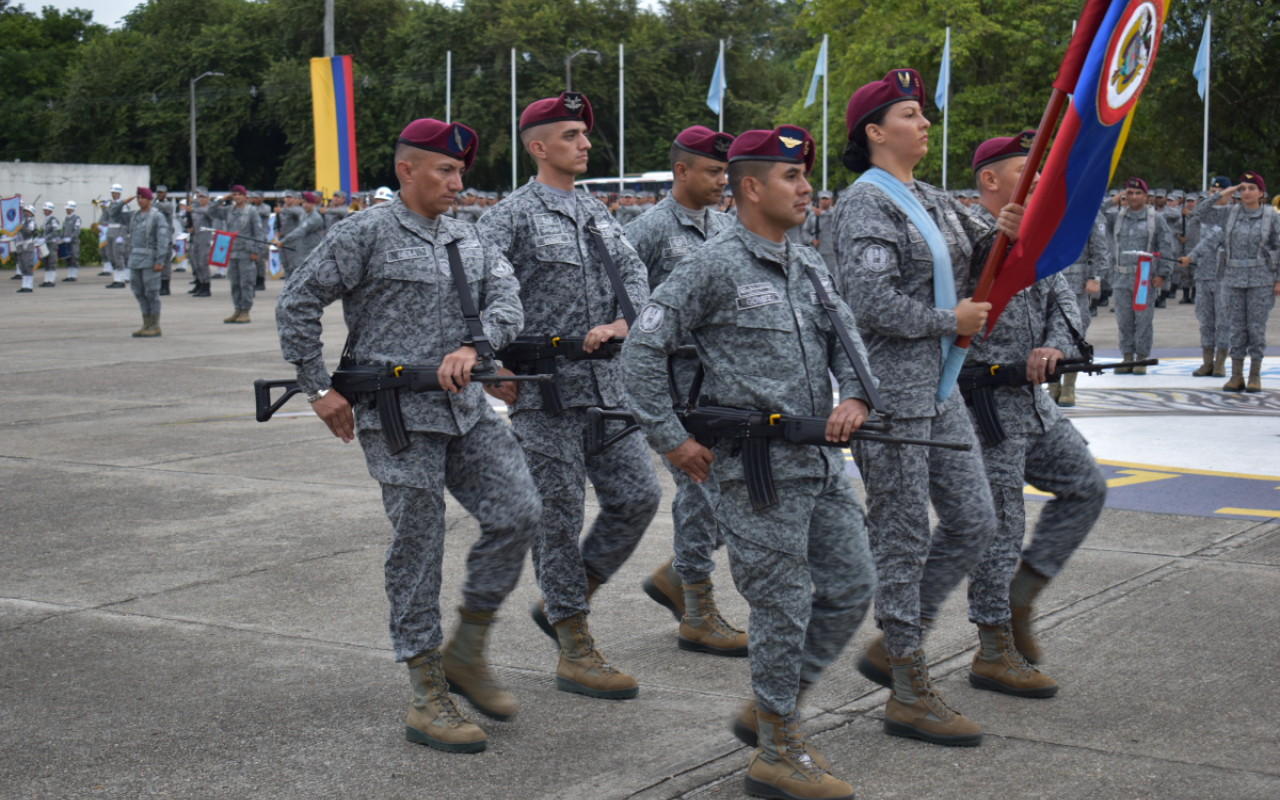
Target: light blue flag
x: 718, y: 85
x: 1201, y: 69
x: 944, y: 77
x: 819, y: 70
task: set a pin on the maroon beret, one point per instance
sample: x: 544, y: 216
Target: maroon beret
x: 1002, y: 147
x: 702, y: 141
x: 568, y: 107
x: 310, y: 197
x: 238, y: 189
x: 898, y: 85
x: 451, y: 138
x: 1136, y: 183
x: 144, y: 192
x: 1255, y: 179
x: 787, y: 143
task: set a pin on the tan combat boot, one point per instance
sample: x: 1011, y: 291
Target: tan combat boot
x: 582, y: 668
x: 244, y: 316
x: 1255, y: 376
x: 1205, y: 369
x: 703, y: 630
x: 434, y: 719
x: 748, y: 732
x: 234, y: 318
x: 874, y: 662
x: 917, y: 711
x: 664, y: 588
x: 999, y: 667
x: 1220, y: 363
x: 153, y: 329
x: 538, y: 611
x: 1236, y: 383
x: 1023, y: 590
x: 468, y: 672
x: 784, y: 767
x: 1067, y: 399
x: 1140, y: 370
x: 1124, y: 370
x: 146, y: 323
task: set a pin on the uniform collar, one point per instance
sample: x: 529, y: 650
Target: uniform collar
x: 446, y: 231
x: 748, y: 240
x: 553, y: 201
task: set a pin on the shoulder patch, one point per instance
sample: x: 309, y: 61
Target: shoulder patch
x: 875, y: 258
x: 651, y: 318
x: 502, y: 269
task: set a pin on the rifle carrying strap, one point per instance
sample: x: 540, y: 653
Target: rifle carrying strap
x: 615, y: 278
x: 859, y: 366
x: 469, y: 311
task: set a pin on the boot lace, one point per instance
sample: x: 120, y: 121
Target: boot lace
x: 1009, y: 649
x: 926, y: 691
x: 711, y: 613
x: 438, y: 695
x: 797, y: 752
x: 588, y: 645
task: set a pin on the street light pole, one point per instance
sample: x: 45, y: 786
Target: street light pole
x: 568, y: 73
x: 192, y: 189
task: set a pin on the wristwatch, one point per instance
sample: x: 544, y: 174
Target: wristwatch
x: 314, y: 396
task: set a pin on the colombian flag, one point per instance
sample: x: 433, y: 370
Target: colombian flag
x: 333, y: 108
x: 1105, y: 68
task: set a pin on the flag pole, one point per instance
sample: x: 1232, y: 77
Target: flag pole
x: 1208, y: 23
x: 515, y: 141
x: 826, y: 79
x: 1057, y: 101
x: 622, y: 123
x: 448, y: 86
x: 946, y: 108
x: 720, y: 86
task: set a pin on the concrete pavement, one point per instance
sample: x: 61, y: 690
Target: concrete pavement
x: 191, y: 605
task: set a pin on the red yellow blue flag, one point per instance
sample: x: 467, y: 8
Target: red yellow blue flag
x: 333, y: 110
x: 1105, y: 69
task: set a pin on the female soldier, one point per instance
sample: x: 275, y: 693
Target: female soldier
x: 903, y: 249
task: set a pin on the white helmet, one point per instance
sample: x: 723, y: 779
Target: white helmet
x: 71, y: 204
x: 49, y: 206
x: 115, y: 187
x: 384, y: 193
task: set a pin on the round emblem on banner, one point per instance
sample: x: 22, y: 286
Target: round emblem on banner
x: 1129, y: 56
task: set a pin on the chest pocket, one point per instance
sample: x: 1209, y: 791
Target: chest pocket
x: 762, y: 306
x: 409, y: 264
x: 554, y: 239
x: 917, y: 246
x: 677, y: 248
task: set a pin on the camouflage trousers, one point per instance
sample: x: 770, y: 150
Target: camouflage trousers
x: 627, y: 491
x: 1136, y: 327
x: 805, y: 569
x: 1057, y: 461
x: 485, y: 472
x: 696, y: 534
x: 1247, y: 311
x: 916, y: 571
x: 146, y: 288
x: 241, y: 274
x: 1082, y: 324
x: 199, y: 258
x: 1215, y: 326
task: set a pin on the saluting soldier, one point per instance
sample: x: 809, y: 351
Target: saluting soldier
x: 169, y: 208
x: 288, y: 217
x: 336, y: 211
x: 148, y: 237
x: 390, y: 267
x: 1042, y: 448
x: 1131, y: 228
x: 51, y: 232
x: 306, y: 235
x: 117, y: 215
x: 234, y: 215
x: 906, y: 252
x: 71, y: 236
x: 678, y: 225
x: 552, y: 233
x: 803, y: 565
x: 201, y: 239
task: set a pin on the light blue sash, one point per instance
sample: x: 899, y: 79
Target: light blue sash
x: 944, y: 282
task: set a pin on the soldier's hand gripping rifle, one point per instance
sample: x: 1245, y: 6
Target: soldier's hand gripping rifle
x: 537, y: 355
x: 380, y: 386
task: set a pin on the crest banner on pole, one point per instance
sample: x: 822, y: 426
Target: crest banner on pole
x: 220, y: 250
x: 10, y: 215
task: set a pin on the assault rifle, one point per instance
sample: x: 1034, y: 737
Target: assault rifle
x: 978, y: 384
x: 380, y: 386
x: 754, y: 430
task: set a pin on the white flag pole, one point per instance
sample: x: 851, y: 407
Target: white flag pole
x: 515, y: 140
x: 622, y: 122
x: 720, y: 86
x: 946, y: 109
x: 826, y: 79
x: 1204, y: 180
x: 448, y: 86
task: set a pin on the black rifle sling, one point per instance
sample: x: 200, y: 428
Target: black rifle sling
x: 615, y: 278
x: 864, y: 373
x: 469, y: 311
x: 1086, y: 349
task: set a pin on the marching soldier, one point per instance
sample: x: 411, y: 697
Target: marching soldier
x: 148, y: 239
x: 819, y: 229
x: 1038, y: 327
x: 803, y: 564
x: 71, y: 236
x: 305, y: 236
x: 1135, y: 227
x: 680, y: 223
x: 388, y: 265
x: 201, y: 218
x: 51, y: 232
x: 906, y: 252
x: 573, y: 263
x: 234, y: 215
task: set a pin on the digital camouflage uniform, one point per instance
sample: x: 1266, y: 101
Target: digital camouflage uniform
x: 117, y: 216
x: 303, y: 238
x: 198, y: 250
x: 1215, y: 325
x: 148, y: 236
x: 390, y: 269
x: 625, y: 214
x: 168, y: 208
x: 51, y: 232
x: 71, y: 235
x: 1248, y: 256
x: 766, y: 344
x: 264, y: 250
x: 241, y: 272
x: 662, y: 239
x: 1147, y: 231
x: 886, y: 272
x: 1187, y: 230
x: 335, y: 214
x: 24, y: 248
x: 287, y: 219
x: 823, y: 228
x: 1043, y: 449
x: 1091, y: 264
x: 564, y: 290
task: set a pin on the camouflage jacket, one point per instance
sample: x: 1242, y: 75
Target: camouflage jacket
x: 288, y: 218
x: 885, y: 271
x: 334, y: 215
x: 764, y: 340
x: 400, y: 306
x: 1128, y: 231
x: 306, y: 235
x: 563, y: 285
x: 51, y: 230
x: 823, y: 228
x: 1093, y: 260
x: 148, y: 239
x: 1245, y: 260
x: 663, y: 237
x: 71, y: 231
x: 244, y: 221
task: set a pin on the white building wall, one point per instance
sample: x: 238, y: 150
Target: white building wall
x: 83, y: 183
